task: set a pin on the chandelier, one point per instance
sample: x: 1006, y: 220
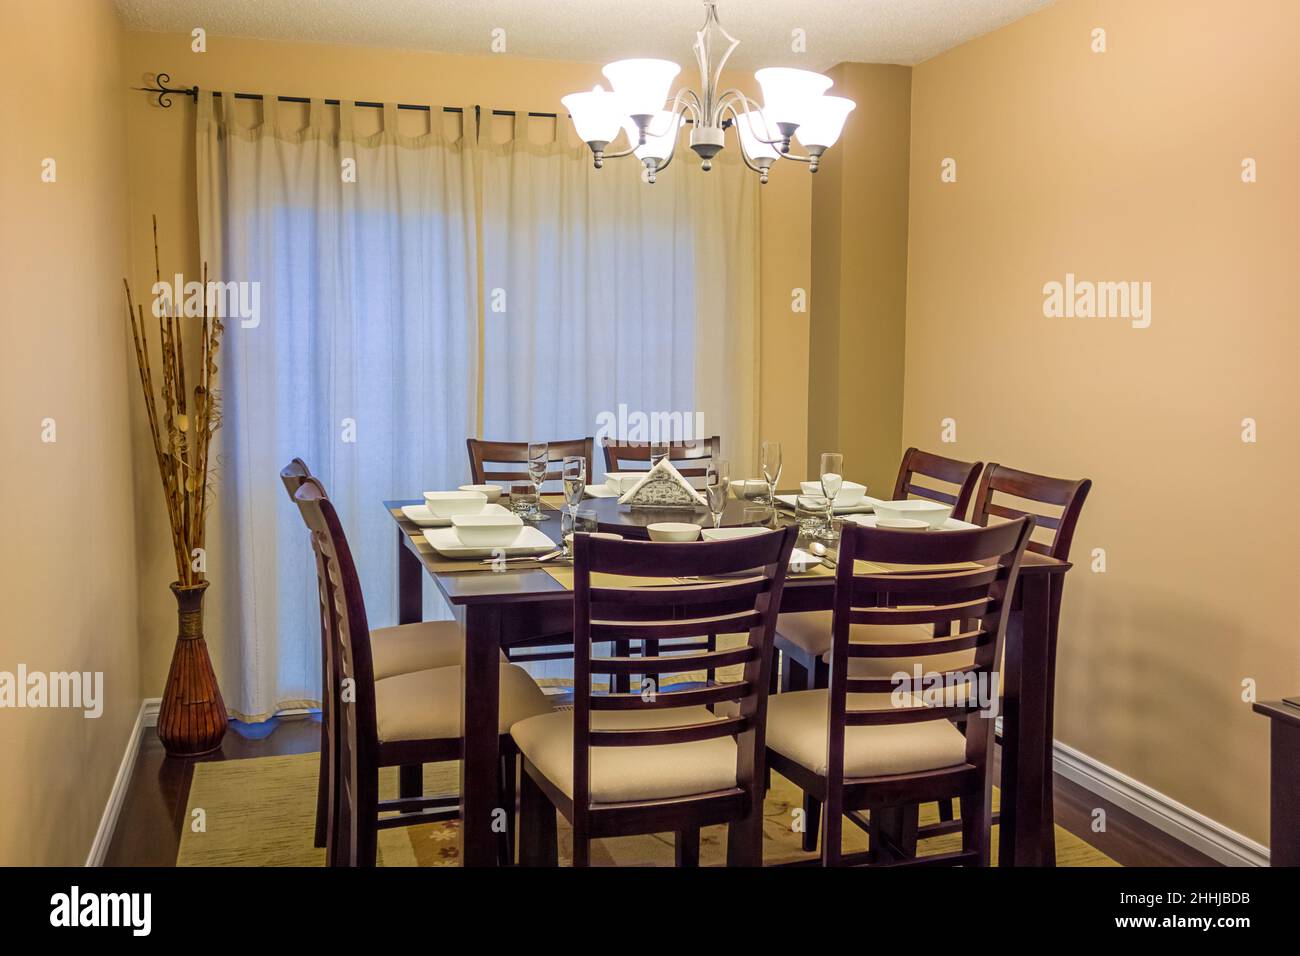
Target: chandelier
x: 795, y: 106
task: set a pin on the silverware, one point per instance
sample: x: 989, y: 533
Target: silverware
x: 540, y: 559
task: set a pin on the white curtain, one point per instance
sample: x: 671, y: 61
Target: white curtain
x: 601, y: 291
x: 371, y: 246
x: 362, y: 360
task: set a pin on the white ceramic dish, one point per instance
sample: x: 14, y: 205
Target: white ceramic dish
x: 862, y: 507
x: 931, y: 512
x: 801, y: 560
x: 444, y: 504
x: 748, y: 488
x: 493, y: 492
x: 621, y: 482
x: 529, y: 541
x: 952, y: 524
x: 486, y: 531
x: 902, y: 524
x: 730, y: 534
x: 601, y: 491
x: 425, y: 518
x: 673, y: 531
x: 851, y: 493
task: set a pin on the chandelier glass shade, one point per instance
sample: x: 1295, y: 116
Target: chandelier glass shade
x: 639, y: 104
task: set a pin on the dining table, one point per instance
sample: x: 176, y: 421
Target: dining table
x: 507, y: 604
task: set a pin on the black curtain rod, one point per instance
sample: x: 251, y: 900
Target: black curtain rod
x: 165, y: 93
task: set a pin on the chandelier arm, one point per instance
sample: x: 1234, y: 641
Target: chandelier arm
x: 735, y: 118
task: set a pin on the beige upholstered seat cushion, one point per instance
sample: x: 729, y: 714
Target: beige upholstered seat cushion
x: 797, y: 729
x: 620, y: 774
x: 416, y: 647
x: 425, y: 705
x: 811, y: 631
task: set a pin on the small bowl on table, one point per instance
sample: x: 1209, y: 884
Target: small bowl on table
x: 850, y: 494
x: 903, y: 524
x: 487, y: 531
x: 446, y: 504
x: 730, y: 534
x: 677, y: 531
x: 749, y: 488
x: 493, y: 492
x: 931, y: 512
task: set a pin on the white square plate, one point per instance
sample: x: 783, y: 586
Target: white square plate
x: 952, y: 524
x: 600, y: 491
x: 425, y: 518
x: 863, y: 507
x: 531, y: 540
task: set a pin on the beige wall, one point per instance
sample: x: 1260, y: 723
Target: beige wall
x: 859, y: 244
x: 1126, y: 165
x: 69, y: 561
x: 162, y: 182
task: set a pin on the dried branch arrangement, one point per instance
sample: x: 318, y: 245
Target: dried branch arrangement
x: 181, y: 422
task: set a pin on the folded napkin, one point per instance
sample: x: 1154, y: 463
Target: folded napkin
x: 663, y: 487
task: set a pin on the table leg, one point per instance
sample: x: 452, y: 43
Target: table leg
x: 410, y: 594
x: 481, y: 757
x: 1049, y: 734
x: 1284, y: 799
x: 1025, y: 771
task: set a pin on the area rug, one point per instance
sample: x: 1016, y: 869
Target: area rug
x: 261, y: 812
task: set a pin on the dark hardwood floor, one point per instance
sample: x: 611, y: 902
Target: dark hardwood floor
x: 149, y: 826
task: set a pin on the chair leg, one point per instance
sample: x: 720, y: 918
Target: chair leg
x: 745, y: 840
x: 537, y: 838
x: 945, y: 810
x: 686, y: 844
x: 811, y: 805
x: 324, y: 786
x: 509, y: 768
x: 833, y: 832
x: 893, y: 832
x: 976, y: 825
x: 367, y: 821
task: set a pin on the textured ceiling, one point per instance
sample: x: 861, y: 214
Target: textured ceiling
x: 868, y: 31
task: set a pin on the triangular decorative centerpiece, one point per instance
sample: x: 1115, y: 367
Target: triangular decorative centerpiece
x: 663, y: 487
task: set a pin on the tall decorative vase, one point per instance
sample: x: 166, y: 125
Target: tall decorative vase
x: 192, y: 719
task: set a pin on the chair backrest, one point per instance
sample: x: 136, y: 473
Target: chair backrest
x: 491, y: 461
x: 349, y: 640
x: 293, y: 475
x: 1065, y: 493
x: 741, y: 593
x: 966, y: 575
x: 688, y: 457
x: 924, y: 464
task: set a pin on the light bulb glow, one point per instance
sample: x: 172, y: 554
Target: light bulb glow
x: 597, y: 115
x: 787, y: 93
x: 660, y: 135
x: 754, y: 129
x: 824, y: 120
x: 641, y: 84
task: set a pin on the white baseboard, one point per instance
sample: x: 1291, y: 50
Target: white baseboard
x: 147, y: 717
x: 1161, y: 811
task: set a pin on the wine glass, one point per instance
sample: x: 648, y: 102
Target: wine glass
x: 770, y: 461
x: 832, y: 472
x: 538, y: 459
x: 717, y: 479
x: 574, y: 474
x: 582, y: 521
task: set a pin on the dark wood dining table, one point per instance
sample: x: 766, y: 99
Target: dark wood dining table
x: 501, y: 608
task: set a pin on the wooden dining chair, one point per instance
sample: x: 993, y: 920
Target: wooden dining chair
x: 690, y: 458
x: 659, y: 760
x: 394, y: 650
x: 506, y: 461
x: 937, y: 469
x: 399, y: 721
x: 885, y: 744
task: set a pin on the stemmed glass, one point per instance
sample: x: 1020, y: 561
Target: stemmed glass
x: 538, y: 459
x: 572, y: 522
x: 832, y: 472
x: 770, y: 461
x: 574, y: 474
x: 717, y: 480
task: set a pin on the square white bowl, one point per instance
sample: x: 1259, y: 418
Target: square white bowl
x: 486, y: 531
x: 621, y: 482
x: 493, y: 492
x: 445, y: 504
x: 748, y: 488
x: 931, y: 512
x: 851, y: 493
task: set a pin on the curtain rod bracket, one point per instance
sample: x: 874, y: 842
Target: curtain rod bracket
x: 164, y: 92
